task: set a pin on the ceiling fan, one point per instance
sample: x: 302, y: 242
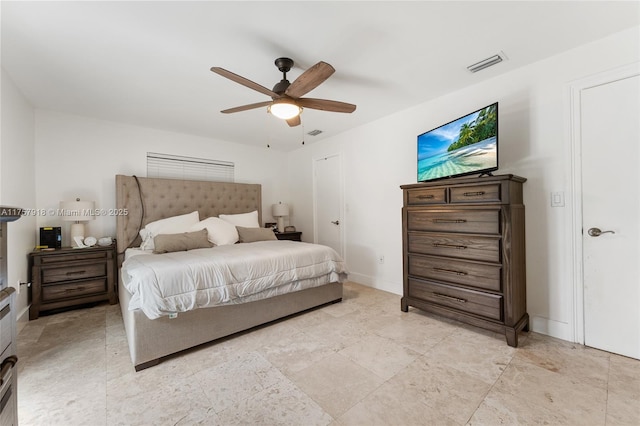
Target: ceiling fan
x: 286, y: 98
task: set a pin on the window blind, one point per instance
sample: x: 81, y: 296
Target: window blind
x: 188, y: 168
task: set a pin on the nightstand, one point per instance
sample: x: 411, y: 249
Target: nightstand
x: 293, y: 236
x: 69, y: 277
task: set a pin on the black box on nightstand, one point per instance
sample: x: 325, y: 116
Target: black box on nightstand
x: 51, y: 237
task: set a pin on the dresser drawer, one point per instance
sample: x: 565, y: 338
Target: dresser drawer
x: 55, y: 292
x: 474, y: 302
x: 6, y: 326
x: 426, y: 196
x: 74, y: 272
x: 460, y: 221
x: 456, y: 271
x: 486, y: 249
x: 476, y: 194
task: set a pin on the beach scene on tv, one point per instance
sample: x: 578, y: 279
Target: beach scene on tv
x: 464, y: 146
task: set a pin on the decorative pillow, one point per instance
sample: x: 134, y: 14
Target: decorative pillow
x: 250, y: 235
x: 220, y: 232
x: 167, y: 243
x: 170, y: 225
x: 246, y: 220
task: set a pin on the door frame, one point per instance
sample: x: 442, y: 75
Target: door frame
x: 341, y: 188
x: 575, y: 112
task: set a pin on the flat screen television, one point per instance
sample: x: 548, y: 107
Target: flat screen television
x: 464, y: 146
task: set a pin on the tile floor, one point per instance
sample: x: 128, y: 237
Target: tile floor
x: 359, y: 362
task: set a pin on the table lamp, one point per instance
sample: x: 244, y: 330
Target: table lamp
x: 77, y: 211
x: 279, y: 211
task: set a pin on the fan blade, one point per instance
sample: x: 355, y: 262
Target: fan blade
x: 326, y: 105
x: 246, y: 107
x: 310, y: 79
x: 293, y: 122
x: 244, y: 81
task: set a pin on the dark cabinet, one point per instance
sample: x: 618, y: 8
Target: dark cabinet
x: 69, y: 277
x: 464, y: 251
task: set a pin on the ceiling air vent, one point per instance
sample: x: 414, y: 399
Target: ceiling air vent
x: 485, y: 63
x: 314, y: 132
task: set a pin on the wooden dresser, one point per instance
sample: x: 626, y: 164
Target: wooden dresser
x: 464, y: 251
x: 69, y: 277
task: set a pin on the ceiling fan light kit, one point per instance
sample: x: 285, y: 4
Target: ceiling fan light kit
x: 287, y: 101
x: 284, y: 109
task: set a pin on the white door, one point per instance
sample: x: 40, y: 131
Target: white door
x: 610, y: 133
x: 328, y: 202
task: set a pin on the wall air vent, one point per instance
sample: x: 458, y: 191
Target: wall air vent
x: 314, y: 132
x: 485, y: 63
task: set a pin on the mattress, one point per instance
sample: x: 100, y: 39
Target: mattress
x: 170, y: 283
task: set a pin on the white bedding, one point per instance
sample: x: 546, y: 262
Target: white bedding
x: 163, y: 284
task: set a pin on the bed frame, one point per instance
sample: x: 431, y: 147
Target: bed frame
x: 150, y: 199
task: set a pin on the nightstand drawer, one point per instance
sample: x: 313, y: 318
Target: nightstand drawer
x: 461, y: 221
x: 474, y: 302
x: 456, y: 271
x: 77, y: 289
x: 77, y: 254
x: 76, y: 272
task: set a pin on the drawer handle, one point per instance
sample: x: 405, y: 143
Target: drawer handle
x: 449, y: 220
x: 450, y: 271
x: 7, y: 365
x: 76, y: 272
x: 445, y: 296
x: 449, y: 246
x: 425, y: 197
x: 473, y: 194
x: 5, y: 311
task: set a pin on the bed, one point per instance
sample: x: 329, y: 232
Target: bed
x: 145, y: 200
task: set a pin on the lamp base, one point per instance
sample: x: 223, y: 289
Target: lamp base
x: 280, y: 224
x: 77, y: 230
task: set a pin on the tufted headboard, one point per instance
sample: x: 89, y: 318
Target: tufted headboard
x: 162, y: 198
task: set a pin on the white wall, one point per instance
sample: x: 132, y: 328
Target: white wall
x: 79, y: 157
x: 17, y: 186
x: 534, y: 143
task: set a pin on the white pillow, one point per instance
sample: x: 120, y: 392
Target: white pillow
x: 170, y: 225
x: 220, y: 232
x: 246, y: 220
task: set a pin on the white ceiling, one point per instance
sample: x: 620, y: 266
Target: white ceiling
x: 147, y: 63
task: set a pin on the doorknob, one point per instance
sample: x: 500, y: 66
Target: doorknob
x: 596, y: 232
x: 335, y: 222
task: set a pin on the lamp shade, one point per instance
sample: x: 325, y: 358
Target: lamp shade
x: 279, y: 210
x: 77, y: 211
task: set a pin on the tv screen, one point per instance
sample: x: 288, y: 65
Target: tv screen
x: 464, y: 146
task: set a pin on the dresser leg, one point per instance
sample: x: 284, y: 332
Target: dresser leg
x: 404, y: 306
x: 512, y: 333
x: 512, y: 337
x: 33, y: 313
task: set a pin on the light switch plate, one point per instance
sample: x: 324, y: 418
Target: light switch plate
x: 557, y: 199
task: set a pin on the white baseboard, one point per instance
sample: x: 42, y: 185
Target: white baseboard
x: 23, y: 315
x: 377, y: 283
x: 557, y: 329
